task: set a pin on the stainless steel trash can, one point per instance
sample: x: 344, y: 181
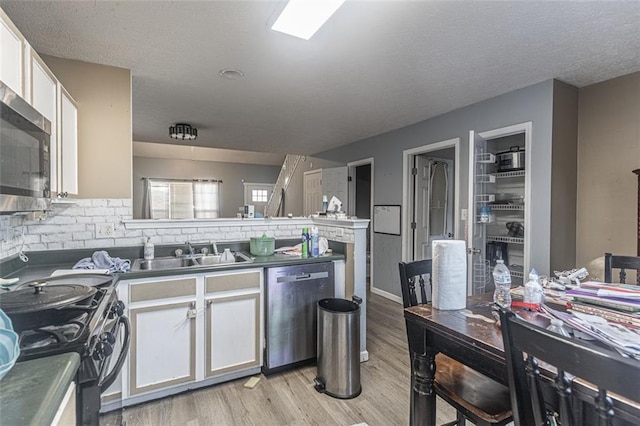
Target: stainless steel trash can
x: 339, y: 348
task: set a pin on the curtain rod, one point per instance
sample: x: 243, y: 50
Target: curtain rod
x: 181, y: 180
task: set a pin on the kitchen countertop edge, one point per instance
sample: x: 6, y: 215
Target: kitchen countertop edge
x: 33, y: 390
x: 29, y: 273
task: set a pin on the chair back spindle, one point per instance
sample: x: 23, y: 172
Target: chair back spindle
x: 584, y: 374
x: 412, y: 273
x: 623, y: 263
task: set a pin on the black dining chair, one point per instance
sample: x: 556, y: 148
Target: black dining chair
x: 474, y: 396
x: 578, y: 379
x: 622, y: 263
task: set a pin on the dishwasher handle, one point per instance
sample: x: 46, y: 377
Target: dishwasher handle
x: 303, y: 277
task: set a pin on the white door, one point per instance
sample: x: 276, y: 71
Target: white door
x: 162, y: 347
x: 44, y: 98
x: 335, y: 183
x: 11, y: 63
x: 232, y: 344
x: 257, y: 194
x: 480, y: 161
x: 68, y: 143
x: 434, y: 194
x: 312, y: 192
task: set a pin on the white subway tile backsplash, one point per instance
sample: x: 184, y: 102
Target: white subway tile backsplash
x: 83, y: 236
x: 73, y: 226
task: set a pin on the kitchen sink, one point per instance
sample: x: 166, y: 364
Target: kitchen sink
x: 170, y: 262
x: 215, y: 259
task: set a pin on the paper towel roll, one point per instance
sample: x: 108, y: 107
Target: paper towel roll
x: 449, y: 274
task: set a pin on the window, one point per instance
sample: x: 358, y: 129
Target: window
x: 175, y: 199
x: 259, y: 195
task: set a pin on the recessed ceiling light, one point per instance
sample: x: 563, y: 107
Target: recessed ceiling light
x: 231, y: 74
x: 302, y: 18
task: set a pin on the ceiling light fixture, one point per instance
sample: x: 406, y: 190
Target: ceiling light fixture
x: 183, y: 131
x: 302, y: 18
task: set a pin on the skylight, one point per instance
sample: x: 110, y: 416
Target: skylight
x: 302, y: 18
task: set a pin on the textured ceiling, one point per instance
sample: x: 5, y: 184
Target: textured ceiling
x: 374, y: 67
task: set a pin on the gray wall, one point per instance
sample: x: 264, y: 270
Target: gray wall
x: 533, y: 103
x: 294, y: 197
x: 231, y: 175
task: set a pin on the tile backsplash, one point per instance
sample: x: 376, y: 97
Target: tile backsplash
x: 93, y: 223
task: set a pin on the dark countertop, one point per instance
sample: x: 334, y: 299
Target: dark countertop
x: 42, y: 264
x: 33, y: 390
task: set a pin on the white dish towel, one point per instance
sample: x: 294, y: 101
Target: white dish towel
x: 449, y: 274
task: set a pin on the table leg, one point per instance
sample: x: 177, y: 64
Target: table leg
x: 423, y: 369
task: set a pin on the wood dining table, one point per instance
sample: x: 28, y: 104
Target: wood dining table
x: 472, y: 337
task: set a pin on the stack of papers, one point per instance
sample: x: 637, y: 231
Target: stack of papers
x: 625, y: 340
x: 616, y: 296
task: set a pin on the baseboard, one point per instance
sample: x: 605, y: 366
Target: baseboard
x: 386, y: 295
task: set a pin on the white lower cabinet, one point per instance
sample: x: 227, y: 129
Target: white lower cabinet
x: 163, y: 343
x: 233, y: 322
x: 188, y: 331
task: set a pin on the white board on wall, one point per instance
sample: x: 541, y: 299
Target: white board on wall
x: 386, y: 219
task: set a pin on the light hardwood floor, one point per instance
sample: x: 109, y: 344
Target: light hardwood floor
x: 290, y: 399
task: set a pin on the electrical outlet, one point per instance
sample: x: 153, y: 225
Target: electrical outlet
x: 105, y: 230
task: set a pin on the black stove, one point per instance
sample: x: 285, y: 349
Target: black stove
x: 92, y: 326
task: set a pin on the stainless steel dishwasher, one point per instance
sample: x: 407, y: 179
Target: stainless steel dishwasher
x: 291, y: 301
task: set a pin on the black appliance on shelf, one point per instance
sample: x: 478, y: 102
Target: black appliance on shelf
x: 73, y: 313
x: 497, y: 250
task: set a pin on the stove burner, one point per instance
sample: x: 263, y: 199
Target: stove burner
x: 32, y: 342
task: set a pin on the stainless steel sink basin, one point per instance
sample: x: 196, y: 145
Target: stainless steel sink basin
x: 161, y: 263
x: 215, y: 259
x: 170, y: 262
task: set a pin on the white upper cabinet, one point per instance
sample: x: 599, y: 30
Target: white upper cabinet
x: 26, y: 74
x: 44, y: 97
x: 12, y: 45
x: 68, y: 144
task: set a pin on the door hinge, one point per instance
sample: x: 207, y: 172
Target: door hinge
x: 414, y: 171
x: 349, y: 179
x: 414, y: 225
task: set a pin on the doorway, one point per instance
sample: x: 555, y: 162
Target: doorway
x: 430, y: 197
x: 361, y: 200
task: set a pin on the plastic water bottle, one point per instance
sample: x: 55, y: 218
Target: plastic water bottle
x: 315, y: 247
x: 533, y: 292
x: 149, y: 249
x: 502, y: 282
x: 557, y: 326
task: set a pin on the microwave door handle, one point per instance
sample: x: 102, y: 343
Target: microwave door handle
x: 113, y: 374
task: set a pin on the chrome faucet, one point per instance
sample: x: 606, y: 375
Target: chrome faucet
x: 189, y: 248
x: 215, y: 248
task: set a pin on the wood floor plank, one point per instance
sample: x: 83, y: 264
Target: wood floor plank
x: 290, y: 398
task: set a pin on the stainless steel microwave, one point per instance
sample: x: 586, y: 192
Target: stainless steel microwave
x: 25, y: 136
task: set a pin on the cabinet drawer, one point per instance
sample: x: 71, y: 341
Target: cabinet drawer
x: 163, y: 289
x: 232, y: 281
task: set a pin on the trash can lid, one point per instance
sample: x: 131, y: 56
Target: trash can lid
x: 338, y: 305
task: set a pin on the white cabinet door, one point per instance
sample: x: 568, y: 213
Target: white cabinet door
x: 233, y: 333
x: 11, y: 55
x: 68, y: 144
x: 163, y: 340
x: 44, y: 98
x: 233, y: 328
